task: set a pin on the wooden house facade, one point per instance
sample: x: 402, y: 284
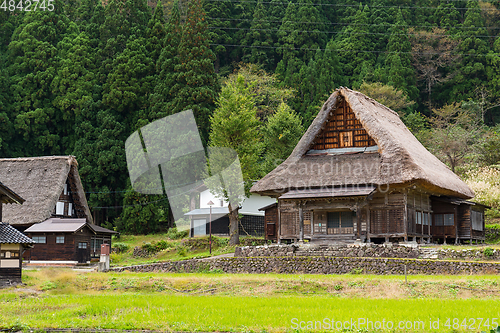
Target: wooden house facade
x: 359, y: 174
x: 66, y: 241
x: 12, y: 242
x: 55, y: 213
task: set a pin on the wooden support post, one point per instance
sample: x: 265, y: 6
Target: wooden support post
x: 470, y: 224
x: 368, y: 239
x: 429, y: 220
x: 312, y: 223
x: 278, y: 237
x: 456, y: 225
x: 358, y: 222
x: 301, y: 223
x: 405, y: 216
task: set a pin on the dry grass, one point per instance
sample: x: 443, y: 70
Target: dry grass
x: 66, y: 281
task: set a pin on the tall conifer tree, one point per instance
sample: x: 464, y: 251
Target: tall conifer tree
x: 353, y: 43
x: 34, y: 63
x: 219, y: 19
x: 474, y: 47
x: 196, y: 83
x: 165, y: 66
x: 398, y: 64
x: 260, y: 39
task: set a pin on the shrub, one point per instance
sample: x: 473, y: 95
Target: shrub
x: 49, y: 285
x: 163, y: 245
x: 488, y: 252
x: 149, y: 248
x: 181, y: 250
x: 152, y: 248
x: 173, y: 233
x: 357, y: 271
x: 120, y: 247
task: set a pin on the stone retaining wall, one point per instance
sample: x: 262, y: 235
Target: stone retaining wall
x: 319, y: 265
x: 492, y: 234
x: 366, y: 250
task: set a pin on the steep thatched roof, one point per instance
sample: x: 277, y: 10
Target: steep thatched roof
x: 40, y: 181
x: 400, y: 159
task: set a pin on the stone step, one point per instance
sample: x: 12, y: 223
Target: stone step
x: 428, y: 253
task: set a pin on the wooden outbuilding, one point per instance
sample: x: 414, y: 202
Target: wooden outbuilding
x: 359, y: 174
x: 12, y: 242
x: 67, y: 241
x: 54, y: 196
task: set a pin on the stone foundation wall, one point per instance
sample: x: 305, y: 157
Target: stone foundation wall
x: 319, y: 265
x: 366, y: 250
x: 492, y: 234
x: 9, y: 282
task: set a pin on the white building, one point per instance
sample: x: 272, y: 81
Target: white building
x: 252, y: 222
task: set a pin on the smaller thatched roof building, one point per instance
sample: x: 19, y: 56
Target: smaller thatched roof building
x: 12, y: 242
x: 41, y: 181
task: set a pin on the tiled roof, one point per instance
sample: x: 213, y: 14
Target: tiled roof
x: 58, y: 225
x: 10, y: 235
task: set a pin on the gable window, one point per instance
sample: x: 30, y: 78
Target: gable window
x: 39, y: 239
x: 342, y: 130
x: 70, y: 209
x: 82, y: 245
x: 60, y: 208
x: 60, y: 240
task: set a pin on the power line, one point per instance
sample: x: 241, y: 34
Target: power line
x: 344, y: 50
x: 135, y: 205
x: 348, y: 24
x: 346, y: 5
x: 343, y: 32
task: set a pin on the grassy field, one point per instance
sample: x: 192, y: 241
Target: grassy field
x: 62, y: 298
x: 178, y: 249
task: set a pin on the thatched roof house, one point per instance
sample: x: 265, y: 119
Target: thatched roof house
x: 41, y: 181
x: 55, y: 214
x: 358, y: 163
x: 399, y: 158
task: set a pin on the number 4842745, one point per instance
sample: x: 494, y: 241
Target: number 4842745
x: 27, y: 5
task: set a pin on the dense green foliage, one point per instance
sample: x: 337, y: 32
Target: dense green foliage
x: 80, y: 79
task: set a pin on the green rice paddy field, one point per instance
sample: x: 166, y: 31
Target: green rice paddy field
x: 214, y: 302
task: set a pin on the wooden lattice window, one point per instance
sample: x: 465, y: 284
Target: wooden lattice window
x: 342, y: 130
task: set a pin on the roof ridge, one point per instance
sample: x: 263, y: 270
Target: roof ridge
x: 27, y: 158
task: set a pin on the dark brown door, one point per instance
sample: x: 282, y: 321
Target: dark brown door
x: 82, y: 253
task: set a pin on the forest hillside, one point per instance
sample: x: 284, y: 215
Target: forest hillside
x: 79, y: 76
